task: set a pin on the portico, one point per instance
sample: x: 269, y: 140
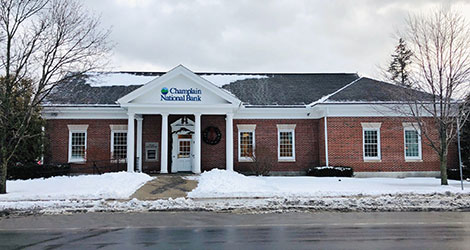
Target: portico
x: 179, y: 92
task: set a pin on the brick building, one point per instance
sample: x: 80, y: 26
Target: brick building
x: 185, y: 121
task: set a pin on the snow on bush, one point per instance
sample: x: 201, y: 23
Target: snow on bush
x: 222, y: 183
x: 108, y: 186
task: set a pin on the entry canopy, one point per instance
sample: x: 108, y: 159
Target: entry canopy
x: 179, y: 87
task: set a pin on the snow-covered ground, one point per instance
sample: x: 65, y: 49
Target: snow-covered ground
x: 384, y: 203
x: 220, y: 183
x: 222, y: 191
x: 106, y: 186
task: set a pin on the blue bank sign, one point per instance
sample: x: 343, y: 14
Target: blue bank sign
x: 180, y: 95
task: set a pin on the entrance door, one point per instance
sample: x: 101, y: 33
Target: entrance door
x: 182, y: 147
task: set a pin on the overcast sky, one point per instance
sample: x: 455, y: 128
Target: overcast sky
x: 257, y: 35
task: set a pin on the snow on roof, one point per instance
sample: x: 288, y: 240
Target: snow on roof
x: 129, y: 79
x: 117, y: 79
x: 223, y: 79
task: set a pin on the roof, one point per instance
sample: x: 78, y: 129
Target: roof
x: 288, y: 89
x: 253, y: 89
x: 370, y: 90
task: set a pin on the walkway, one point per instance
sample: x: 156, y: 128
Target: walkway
x: 164, y: 187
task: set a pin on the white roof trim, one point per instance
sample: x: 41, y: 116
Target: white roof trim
x: 180, y: 70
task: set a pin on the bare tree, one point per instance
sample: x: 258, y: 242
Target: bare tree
x: 262, y: 160
x: 440, y: 42
x: 42, y: 43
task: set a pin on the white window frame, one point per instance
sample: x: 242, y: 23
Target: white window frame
x: 371, y: 126
x: 77, y: 129
x: 290, y: 128
x: 246, y: 128
x: 117, y: 129
x: 412, y: 127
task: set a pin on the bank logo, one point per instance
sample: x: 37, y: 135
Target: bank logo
x: 181, y: 95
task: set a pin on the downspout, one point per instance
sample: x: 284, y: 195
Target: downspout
x: 326, y: 136
x: 460, y: 153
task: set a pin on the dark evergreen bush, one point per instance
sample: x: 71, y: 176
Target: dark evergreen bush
x: 33, y: 170
x: 454, y: 174
x: 330, y: 171
x: 465, y: 144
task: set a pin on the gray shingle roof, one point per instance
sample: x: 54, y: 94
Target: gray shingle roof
x: 77, y: 92
x: 288, y: 89
x: 370, y: 90
x: 270, y: 89
x: 274, y: 89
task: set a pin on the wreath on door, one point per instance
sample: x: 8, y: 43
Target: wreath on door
x: 211, y: 135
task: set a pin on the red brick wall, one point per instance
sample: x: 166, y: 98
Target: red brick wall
x: 98, y: 143
x: 344, y: 139
x: 306, y: 143
x: 345, y: 146
x: 213, y: 156
x: 151, y: 132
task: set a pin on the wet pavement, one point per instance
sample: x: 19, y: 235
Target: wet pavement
x: 203, y: 230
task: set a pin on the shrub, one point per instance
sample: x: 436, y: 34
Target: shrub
x: 33, y: 170
x: 454, y: 174
x: 329, y: 171
x: 262, y: 161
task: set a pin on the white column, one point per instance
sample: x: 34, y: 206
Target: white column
x: 229, y: 142
x: 139, y: 144
x: 197, y: 144
x: 130, y: 143
x: 164, y: 146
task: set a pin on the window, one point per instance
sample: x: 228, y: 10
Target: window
x: 77, y: 143
x: 246, y: 142
x: 118, y: 142
x: 286, y: 142
x: 412, y: 142
x: 371, y: 141
x: 184, y: 149
x: 119, y: 145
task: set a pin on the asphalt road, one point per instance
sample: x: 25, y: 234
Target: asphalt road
x: 202, y: 230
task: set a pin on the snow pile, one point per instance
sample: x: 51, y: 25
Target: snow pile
x: 429, y: 202
x: 223, y: 79
x: 106, y: 186
x: 222, y: 183
x: 117, y: 79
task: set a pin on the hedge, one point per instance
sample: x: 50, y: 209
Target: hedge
x: 34, y: 170
x: 454, y: 174
x: 329, y: 171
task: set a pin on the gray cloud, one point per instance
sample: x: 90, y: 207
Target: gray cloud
x: 256, y: 35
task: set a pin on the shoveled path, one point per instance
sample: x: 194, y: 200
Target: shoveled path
x: 164, y: 187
